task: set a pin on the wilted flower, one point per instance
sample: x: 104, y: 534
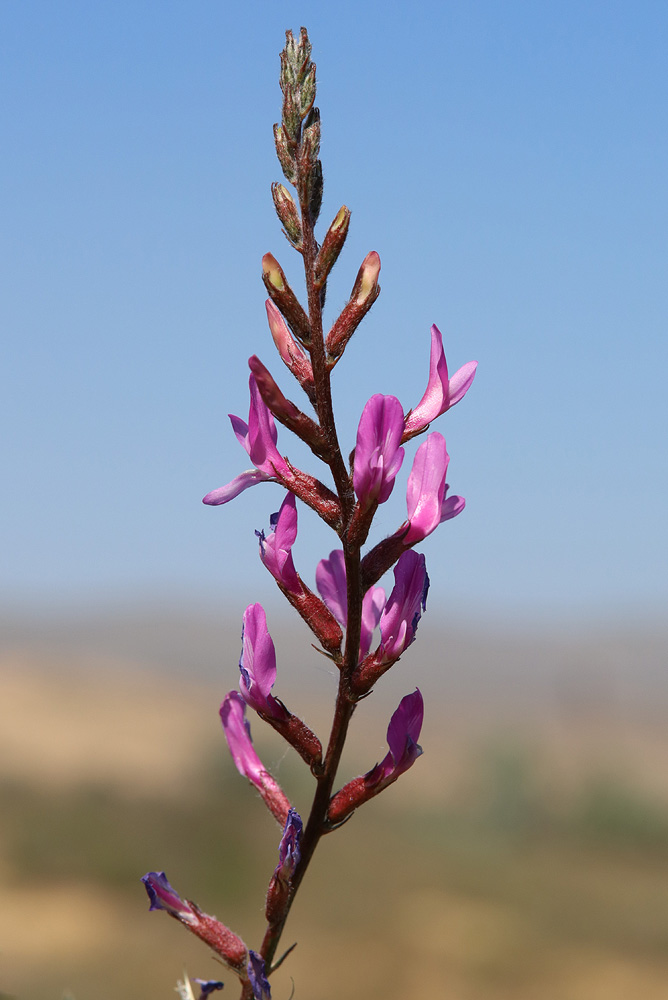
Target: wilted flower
x: 257, y: 976
x: 163, y: 897
x: 288, y: 849
x: 208, y: 986
x: 224, y: 942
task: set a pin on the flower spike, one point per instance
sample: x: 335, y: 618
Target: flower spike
x: 441, y: 392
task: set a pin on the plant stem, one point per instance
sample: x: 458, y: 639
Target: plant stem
x: 316, y: 825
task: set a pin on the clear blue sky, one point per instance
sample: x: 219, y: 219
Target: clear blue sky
x: 508, y: 160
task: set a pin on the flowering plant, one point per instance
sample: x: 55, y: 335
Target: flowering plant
x: 349, y: 607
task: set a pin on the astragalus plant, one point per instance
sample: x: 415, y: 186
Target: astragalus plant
x: 361, y: 630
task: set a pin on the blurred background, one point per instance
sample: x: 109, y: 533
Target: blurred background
x: 508, y: 163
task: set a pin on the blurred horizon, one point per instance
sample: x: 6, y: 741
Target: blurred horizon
x: 508, y: 162
x: 524, y: 211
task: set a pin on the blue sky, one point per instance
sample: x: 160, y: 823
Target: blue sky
x: 507, y: 160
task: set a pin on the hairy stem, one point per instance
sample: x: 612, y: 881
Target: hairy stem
x: 316, y: 825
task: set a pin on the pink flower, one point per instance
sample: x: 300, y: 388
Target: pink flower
x: 378, y: 455
x: 276, y: 548
x: 330, y: 578
x: 400, y: 618
x: 441, y: 393
x: 238, y: 736
x: 258, y: 438
x: 426, y: 495
x: 258, y: 665
x: 402, y: 738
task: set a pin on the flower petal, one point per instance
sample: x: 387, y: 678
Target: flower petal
x: 378, y: 455
x: 258, y: 661
x: 240, y: 483
x: 441, y: 393
x: 275, y: 548
x: 400, y: 618
x: 426, y: 488
x: 238, y: 736
x: 163, y: 897
x: 257, y: 976
x: 330, y: 579
x: 402, y: 738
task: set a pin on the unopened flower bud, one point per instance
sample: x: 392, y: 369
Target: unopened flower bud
x: 365, y: 292
x: 287, y: 213
x: 366, y: 283
x: 307, y: 92
x: 315, y: 187
x: 290, y: 352
x: 290, y: 117
x: 285, y: 156
x: 310, y: 145
x: 332, y: 246
x: 284, y: 298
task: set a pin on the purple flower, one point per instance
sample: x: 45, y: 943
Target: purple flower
x: 238, y: 736
x: 378, y: 455
x: 400, y: 618
x: 257, y: 976
x: 402, y: 738
x: 258, y: 438
x: 163, y: 897
x: 441, y: 393
x: 426, y: 495
x: 208, y: 986
x: 288, y: 849
x: 275, y: 549
x: 330, y: 578
x: 258, y: 664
